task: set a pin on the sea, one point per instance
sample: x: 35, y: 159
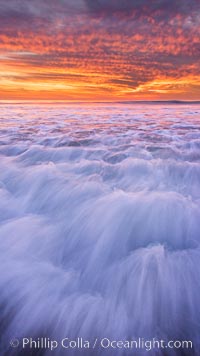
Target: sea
x: 99, y: 228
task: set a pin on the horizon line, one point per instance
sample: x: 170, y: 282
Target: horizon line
x: 63, y: 101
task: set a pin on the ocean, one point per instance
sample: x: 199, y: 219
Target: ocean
x: 99, y: 227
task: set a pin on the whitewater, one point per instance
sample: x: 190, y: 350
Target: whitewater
x: 100, y: 225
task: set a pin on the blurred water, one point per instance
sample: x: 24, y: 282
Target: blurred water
x: 99, y: 223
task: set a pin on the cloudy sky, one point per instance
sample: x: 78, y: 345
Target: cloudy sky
x: 100, y: 49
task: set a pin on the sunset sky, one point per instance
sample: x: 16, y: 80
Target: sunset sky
x: 100, y: 49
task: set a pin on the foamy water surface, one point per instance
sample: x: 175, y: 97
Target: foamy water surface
x: 100, y: 223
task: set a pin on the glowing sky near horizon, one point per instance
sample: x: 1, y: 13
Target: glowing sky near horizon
x: 100, y: 50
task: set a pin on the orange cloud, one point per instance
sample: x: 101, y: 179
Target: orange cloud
x: 83, y: 57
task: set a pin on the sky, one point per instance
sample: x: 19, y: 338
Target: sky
x: 100, y: 50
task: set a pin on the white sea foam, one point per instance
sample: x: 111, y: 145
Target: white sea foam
x: 99, y: 223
